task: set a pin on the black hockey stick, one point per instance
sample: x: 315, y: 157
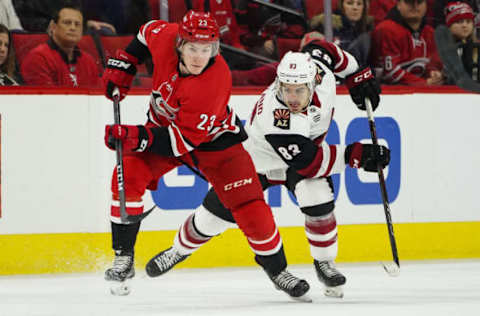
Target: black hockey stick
x: 392, y: 270
x: 125, y: 218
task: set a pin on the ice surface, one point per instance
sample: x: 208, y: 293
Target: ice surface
x: 423, y: 288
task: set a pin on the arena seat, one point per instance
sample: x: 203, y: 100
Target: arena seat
x: 176, y: 10
x: 23, y: 43
x: 286, y: 44
x: 314, y: 7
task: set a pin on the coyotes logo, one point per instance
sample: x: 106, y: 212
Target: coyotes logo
x: 159, y: 101
x: 281, y: 118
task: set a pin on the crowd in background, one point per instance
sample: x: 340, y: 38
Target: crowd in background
x: 394, y: 37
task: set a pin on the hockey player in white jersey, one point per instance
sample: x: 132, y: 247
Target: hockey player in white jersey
x: 287, y: 131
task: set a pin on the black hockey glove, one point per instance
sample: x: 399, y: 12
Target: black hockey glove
x: 367, y: 156
x: 362, y: 84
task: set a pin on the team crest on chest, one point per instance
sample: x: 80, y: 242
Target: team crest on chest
x: 281, y: 118
x: 160, y: 99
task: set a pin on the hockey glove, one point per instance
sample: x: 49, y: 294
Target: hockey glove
x: 133, y: 137
x: 367, y: 156
x: 119, y: 73
x: 362, y: 84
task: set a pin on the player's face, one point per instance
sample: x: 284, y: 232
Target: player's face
x: 295, y: 96
x: 3, y: 47
x: 353, y: 9
x: 462, y: 29
x: 196, y: 56
x: 69, y: 27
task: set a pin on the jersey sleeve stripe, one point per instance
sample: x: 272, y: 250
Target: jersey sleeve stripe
x: 179, y: 145
x: 314, y: 167
x: 141, y: 36
x: 343, y: 62
x: 331, y: 161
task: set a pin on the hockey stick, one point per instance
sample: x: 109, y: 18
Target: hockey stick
x: 125, y: 218
x: 392, y: 269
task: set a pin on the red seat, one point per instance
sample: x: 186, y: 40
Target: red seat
x: 111, y: 43
x: 87, y: 45
x: 176, y: 10
x: 23, y: 43
x: 314, y: 7
x: 287, y: 44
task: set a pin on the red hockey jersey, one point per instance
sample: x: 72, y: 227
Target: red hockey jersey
x: 193, y: 108
x: 401, y: 55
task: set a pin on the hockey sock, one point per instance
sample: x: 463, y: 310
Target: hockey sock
x: 189, y: 238
x: 273, y: 264
x: 321, y: 233
x: 124, y: 236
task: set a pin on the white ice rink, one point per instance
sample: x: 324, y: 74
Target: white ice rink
x: 423, y: 288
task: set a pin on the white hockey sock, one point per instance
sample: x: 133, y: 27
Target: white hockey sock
x: 321, y: 232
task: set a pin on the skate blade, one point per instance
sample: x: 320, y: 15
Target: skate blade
x: 303, y: 299
x: 334, y: 291
x: 120, y: 288
x: 391, y: 268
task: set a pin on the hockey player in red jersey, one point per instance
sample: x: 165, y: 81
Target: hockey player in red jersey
x: 189, y: 122
x: 287, y: 132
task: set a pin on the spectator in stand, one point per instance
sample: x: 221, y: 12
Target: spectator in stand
x: 222, y: 11
x: 60, y: 62
x: 459, y: 17
x: 351, y: 24
x: 403, y: 47
x: 440, y: 5
x: 8, y: 16
x: 35, y: 15
x: 380, y: 8
x: 119, y: 16
x: 265, y: 23
x: 8, y: 75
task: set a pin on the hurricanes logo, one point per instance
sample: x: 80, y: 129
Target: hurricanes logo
x: 281, y: 118
x: 159, y: 101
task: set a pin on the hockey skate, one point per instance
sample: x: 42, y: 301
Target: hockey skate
x: 296, y: 288
x: 121, y: 273
x: 163, y: 262
x: 333, y: 280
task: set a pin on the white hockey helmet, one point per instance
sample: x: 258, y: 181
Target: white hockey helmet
x: 296, y: 68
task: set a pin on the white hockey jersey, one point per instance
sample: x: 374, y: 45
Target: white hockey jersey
x: 279, y: 139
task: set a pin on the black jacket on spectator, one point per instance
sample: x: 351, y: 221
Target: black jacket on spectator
x: 35, y: 15
x: 126, y: 15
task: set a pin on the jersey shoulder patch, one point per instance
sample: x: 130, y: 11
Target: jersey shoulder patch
x: 281, y: 118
